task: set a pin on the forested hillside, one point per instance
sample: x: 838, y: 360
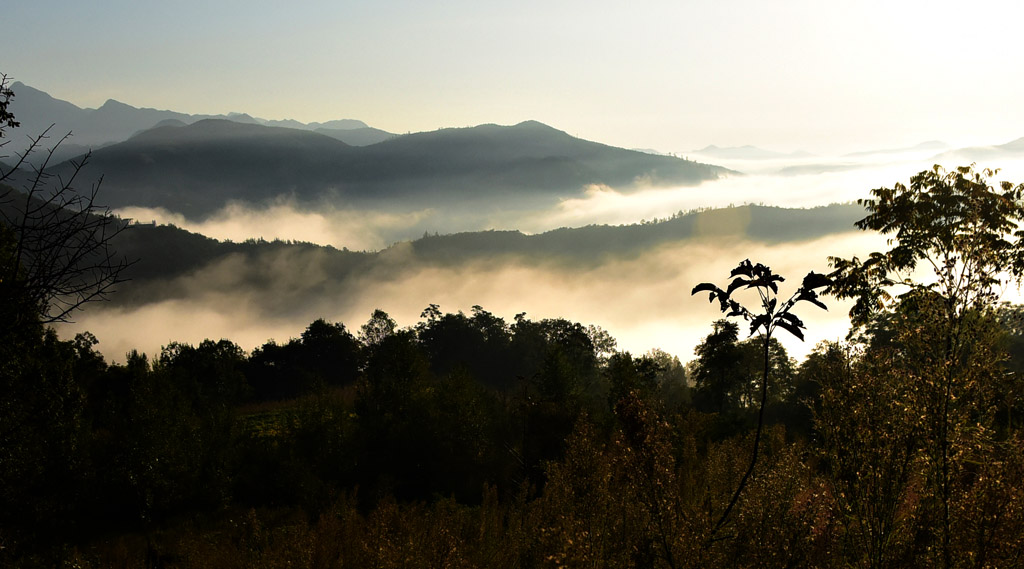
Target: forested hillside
x: 471, y: 440
x: 166, y: 253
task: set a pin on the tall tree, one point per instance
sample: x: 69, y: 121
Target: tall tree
x: 716, y: 371
x: 964, y: 231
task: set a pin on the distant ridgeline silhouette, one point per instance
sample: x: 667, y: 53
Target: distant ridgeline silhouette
x: 116, y: 122
x: 196, y: 169
x: 166, y: 252
x: 195, y: 164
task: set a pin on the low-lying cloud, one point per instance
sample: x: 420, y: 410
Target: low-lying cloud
x: 802, y: 183
x: 643, y: 301
x: 285, y: 220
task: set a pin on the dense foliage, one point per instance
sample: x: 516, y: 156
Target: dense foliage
x: 470, y: 441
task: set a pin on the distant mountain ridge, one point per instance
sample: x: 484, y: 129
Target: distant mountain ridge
x: 167, y: 254
x: 115, y: 121
x: 747, y: 152
x: 1012, y: 149
x: 931, y: 145
x: 195, y: 165
x: 198, y: 168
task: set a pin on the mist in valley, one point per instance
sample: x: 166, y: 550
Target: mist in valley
x: 786, y: 182
x: 640, y: 296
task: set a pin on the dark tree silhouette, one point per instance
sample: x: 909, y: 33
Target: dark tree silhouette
x: 6, y: 94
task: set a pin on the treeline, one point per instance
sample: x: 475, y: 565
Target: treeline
x: 467, y: 440
x: 448, y: 408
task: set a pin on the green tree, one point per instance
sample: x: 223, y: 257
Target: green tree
x: 42, y: 439
x: 477, y: 345
x: 671, y: 378
x: 331, y: 352
x: 1011, y: 321
x: 716, y: 371
x: 631, y: 377
x: 377, y: 328
x: 869, y: 428
x: 964, y: 231
x: 780, y: 370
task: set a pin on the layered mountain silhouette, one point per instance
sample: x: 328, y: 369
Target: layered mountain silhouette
x: 115, y: 121
x: 1012, y: 149
x: 928, y: 146
x: 198, y: 168
x: 361, y: 136
x: 195, y: 165
x: 747, y: 152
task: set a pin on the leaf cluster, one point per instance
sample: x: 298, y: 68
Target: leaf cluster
x: 759, y: 277
x: 6, y: 118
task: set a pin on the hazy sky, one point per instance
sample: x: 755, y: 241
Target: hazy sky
x: 671, y: 75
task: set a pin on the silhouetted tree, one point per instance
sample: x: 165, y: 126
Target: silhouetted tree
x: 43, y: 439
x: 377, y: 328
x: 6, y: 94
x: 330, y: 352
x: 717, y: 371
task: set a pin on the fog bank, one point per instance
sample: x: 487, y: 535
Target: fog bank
x: 798, y: 183
x: 644, y: 301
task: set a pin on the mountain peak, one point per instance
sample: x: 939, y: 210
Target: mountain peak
x: 113, y: 105
x: 746, y: 152
x: 341, y: 124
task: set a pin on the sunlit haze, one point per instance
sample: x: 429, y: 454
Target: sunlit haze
x: 823, y: 77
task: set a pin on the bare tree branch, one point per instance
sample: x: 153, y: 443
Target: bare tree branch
x: 56, y: 242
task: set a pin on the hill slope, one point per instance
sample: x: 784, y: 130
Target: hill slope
x: 169, y: 256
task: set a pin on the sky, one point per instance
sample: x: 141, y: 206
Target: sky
x: 675, y: 76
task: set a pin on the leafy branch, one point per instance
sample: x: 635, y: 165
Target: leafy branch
x: 772, y: 316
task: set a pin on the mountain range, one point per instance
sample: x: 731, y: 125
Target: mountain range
x: 928, y: 146
x: 198, y: 168
x: 1014, y: 148
x: 748, y: 152
x: 196, y: 165
x: 115, y: 122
